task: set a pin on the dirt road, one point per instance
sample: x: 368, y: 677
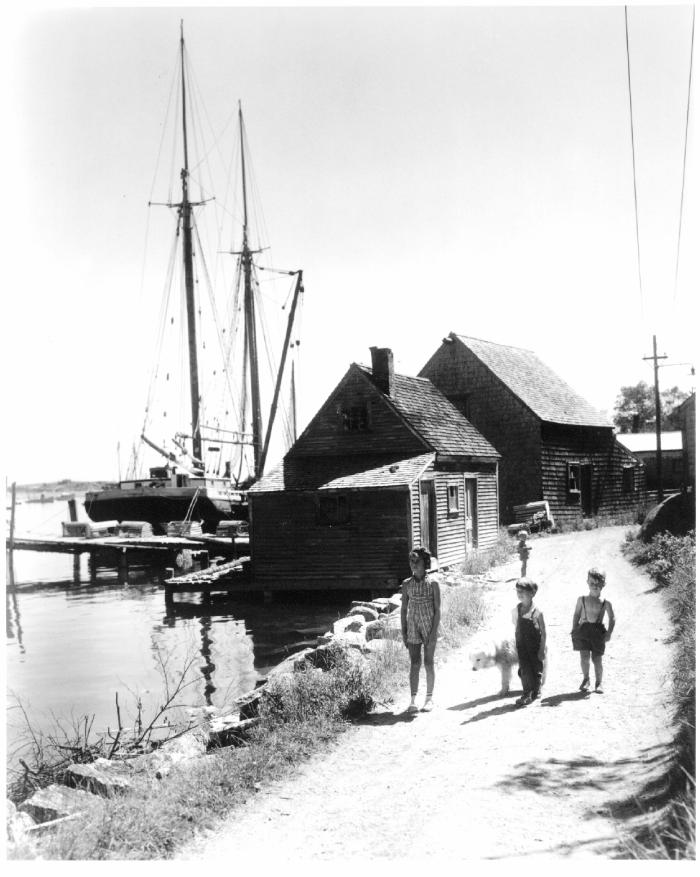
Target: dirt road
x: 479, y: 778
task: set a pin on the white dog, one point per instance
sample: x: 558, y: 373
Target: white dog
x: 498, y: 652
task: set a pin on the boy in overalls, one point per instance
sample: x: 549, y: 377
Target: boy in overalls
x: 530, y: 641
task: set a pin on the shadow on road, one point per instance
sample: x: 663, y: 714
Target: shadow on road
x: 480, y: 701
x: 489, y: 714
x: 386, y: 718
x: 556, y: 699
x: 647, y: 769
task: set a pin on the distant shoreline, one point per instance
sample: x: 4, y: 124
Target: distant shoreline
x: 59, y: 489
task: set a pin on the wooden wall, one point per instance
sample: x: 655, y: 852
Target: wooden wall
x: 451, y: 528
x: 607, y: 457
x: 291, y: 550
x: 499, y: 416
x: 325, y: 434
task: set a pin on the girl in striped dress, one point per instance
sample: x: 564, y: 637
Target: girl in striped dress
x: 420, y: 619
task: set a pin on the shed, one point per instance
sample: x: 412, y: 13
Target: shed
x: 643, y: 446
x: 686, y: 416
x: 386, y: 464
x: 554, y: 445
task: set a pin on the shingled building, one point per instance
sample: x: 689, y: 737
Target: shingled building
x: 386, y: 464
x: 554, y: 445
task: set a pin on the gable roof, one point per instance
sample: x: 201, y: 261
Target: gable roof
x: 436, y: 420
x: 339, y: 473
x: 534, y: 383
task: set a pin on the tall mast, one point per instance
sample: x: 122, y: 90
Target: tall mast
x: 249, y: 310
x: 278, y: 384
x: 186, y: 214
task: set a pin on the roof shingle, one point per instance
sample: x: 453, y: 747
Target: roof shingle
x: 535, y: 383
x: 436, y: 419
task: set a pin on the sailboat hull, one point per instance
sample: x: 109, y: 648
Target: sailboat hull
x: 158, y: 505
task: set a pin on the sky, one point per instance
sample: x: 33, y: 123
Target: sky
x: 463, y: 169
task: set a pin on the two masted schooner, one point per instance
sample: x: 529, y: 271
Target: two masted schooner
x: 205, y: 473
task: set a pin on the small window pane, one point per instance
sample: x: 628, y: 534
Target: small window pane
x: 452, y: 499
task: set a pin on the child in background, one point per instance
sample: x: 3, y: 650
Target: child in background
x: 523, y: 552
x: 588, y: 633
x: 530, y: 641
x: 420, y: 619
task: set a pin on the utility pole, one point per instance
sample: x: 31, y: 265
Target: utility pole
x: 657, y: 402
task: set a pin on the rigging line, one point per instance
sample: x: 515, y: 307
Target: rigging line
x: 685, y: 152
x: 162, y: 321
x: 634, y: 164
x: 219, y: 334
x: 168, y: 110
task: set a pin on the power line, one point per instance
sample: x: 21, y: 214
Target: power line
x: 685, y: 152
x: 634, y: 165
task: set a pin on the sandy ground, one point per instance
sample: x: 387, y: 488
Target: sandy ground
x: 479, y: 778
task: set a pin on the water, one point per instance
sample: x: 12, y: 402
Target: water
x: 74, y: 646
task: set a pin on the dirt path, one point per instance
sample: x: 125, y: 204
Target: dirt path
x: 478, y: 778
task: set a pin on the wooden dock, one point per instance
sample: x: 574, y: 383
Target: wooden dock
x: 231, y: 577
x: 124, y: 552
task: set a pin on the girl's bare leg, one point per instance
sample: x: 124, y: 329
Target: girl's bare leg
x: 414, y: 673
x: 428, y: 659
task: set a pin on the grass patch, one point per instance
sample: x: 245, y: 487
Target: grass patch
x: 670, y: 561
x: 479, y: 562
x: 301, y: 715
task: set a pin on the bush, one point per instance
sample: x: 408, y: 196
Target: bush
x: 670, y: 561
x: 479, y: 562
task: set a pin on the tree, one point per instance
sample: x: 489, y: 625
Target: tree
x: 635, y: 410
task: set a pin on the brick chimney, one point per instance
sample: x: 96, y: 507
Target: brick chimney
x: 383, y: 369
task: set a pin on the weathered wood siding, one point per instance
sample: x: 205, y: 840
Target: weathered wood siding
x: 607, y: 457
x: 498, y: 415
x: 325, y: 434
x: 291, y: 550
x: 451, y: 528
x: 487, y: 507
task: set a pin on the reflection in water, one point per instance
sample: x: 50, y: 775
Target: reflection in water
x: 13, y: 622
x: 77, y: 635
x: 208, y: 667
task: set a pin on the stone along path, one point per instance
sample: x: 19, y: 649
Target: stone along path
x: 479, y: 778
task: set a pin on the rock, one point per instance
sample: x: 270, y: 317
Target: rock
x: 18, y: 824
x: 55, y: 802
x: 227, y: 730
x: 394, y: 602
x: 383, y: 645
x: 290, y: 664
x: 325, y: 639
x: 101, y: 777
x: 379, y: 603
x: 248, y: 704
x: 375, y: 629
x: 369, y: 613
x: 326, y: 657
x: 351, y: 622
x: 183, y: 748
x: 352, y: 639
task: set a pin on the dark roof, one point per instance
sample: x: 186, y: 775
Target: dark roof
x: 338, y: 473
x: 435, y: 418
x: 535, y: 383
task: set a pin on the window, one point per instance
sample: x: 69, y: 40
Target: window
x: 355, y: 418
x: 627, y: 478
x: 452, y: 499
x: 573, y: 478
x: 333, y: 510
